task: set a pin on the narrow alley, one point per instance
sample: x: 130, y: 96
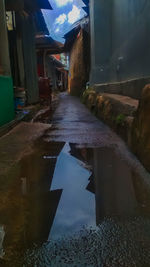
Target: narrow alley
x: 73, y: 193
x: 74, y: 133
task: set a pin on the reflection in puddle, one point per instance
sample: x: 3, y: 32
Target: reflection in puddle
x: 114, y: 190
x: 77, y: 205
x: 112, y: 244
x: 58, y: 190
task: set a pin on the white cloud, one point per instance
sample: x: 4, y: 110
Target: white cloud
x: 63, y: 2
x: 61, y: 19
x: 74, y: 14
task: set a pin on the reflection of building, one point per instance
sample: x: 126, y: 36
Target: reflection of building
x: 114, y: 189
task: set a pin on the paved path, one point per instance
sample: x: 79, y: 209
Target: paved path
x: 18, y: 142
x: 73, y: 123
x: 114, y: 243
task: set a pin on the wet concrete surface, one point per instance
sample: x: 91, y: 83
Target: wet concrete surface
x: 72, y: 201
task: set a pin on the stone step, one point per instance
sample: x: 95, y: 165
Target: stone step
x: 116, y: 110
x: 132, y: 88
x: 120, y: 104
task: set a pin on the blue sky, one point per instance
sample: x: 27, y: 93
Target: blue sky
x: 61, y: 18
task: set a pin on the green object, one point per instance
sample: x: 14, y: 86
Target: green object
x: 7, y: 112
x: 120, y: 119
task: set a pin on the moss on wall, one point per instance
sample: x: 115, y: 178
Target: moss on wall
x: 140, y: 136
x: 6, y: 100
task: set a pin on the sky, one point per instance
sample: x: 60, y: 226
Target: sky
x: 64, y: 14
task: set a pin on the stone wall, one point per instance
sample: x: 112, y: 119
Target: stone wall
x: 79, y: 64
x: 115, y: 110
x: 131, y: 88
x: 140, y: 137
x: 129, y: 117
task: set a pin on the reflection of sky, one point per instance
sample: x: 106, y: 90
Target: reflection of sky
x: 77, y: 205
x: 64, y: 14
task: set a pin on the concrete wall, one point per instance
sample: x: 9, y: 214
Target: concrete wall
x: 6, y: 100
x: 120, y: 40
x: 100, y: 25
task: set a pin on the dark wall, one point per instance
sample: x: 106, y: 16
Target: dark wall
x: 130, y: 39
x: 121, y: 33
x: 30, y: 60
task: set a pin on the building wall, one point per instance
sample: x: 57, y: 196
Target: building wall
x: 6, y: 85
x: 4, y: 49
x: 120, y: 40
x: 79, y: 64
x: 30, y: 60
x: 6, y: 100
x: 51, y: 72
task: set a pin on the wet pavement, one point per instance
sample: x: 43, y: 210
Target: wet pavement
x: 73, y: 200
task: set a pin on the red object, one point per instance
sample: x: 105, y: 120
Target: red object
x: 78, y: 35
x: 44, y: 88
x: 40, y: 69
x: 57, y: 56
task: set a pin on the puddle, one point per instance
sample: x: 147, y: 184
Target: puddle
x: 63, y: 195
x: 77, y: 205
x: 114, y: 190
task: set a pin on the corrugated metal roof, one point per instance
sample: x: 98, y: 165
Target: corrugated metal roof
x: 27, y: 5
x: 46, y: 42
x: 41, y: 27
x: 34, y: 5
x: 72, y: 35
x: 57, y: 62
x: 44, y: 4
x: 14, y: 5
